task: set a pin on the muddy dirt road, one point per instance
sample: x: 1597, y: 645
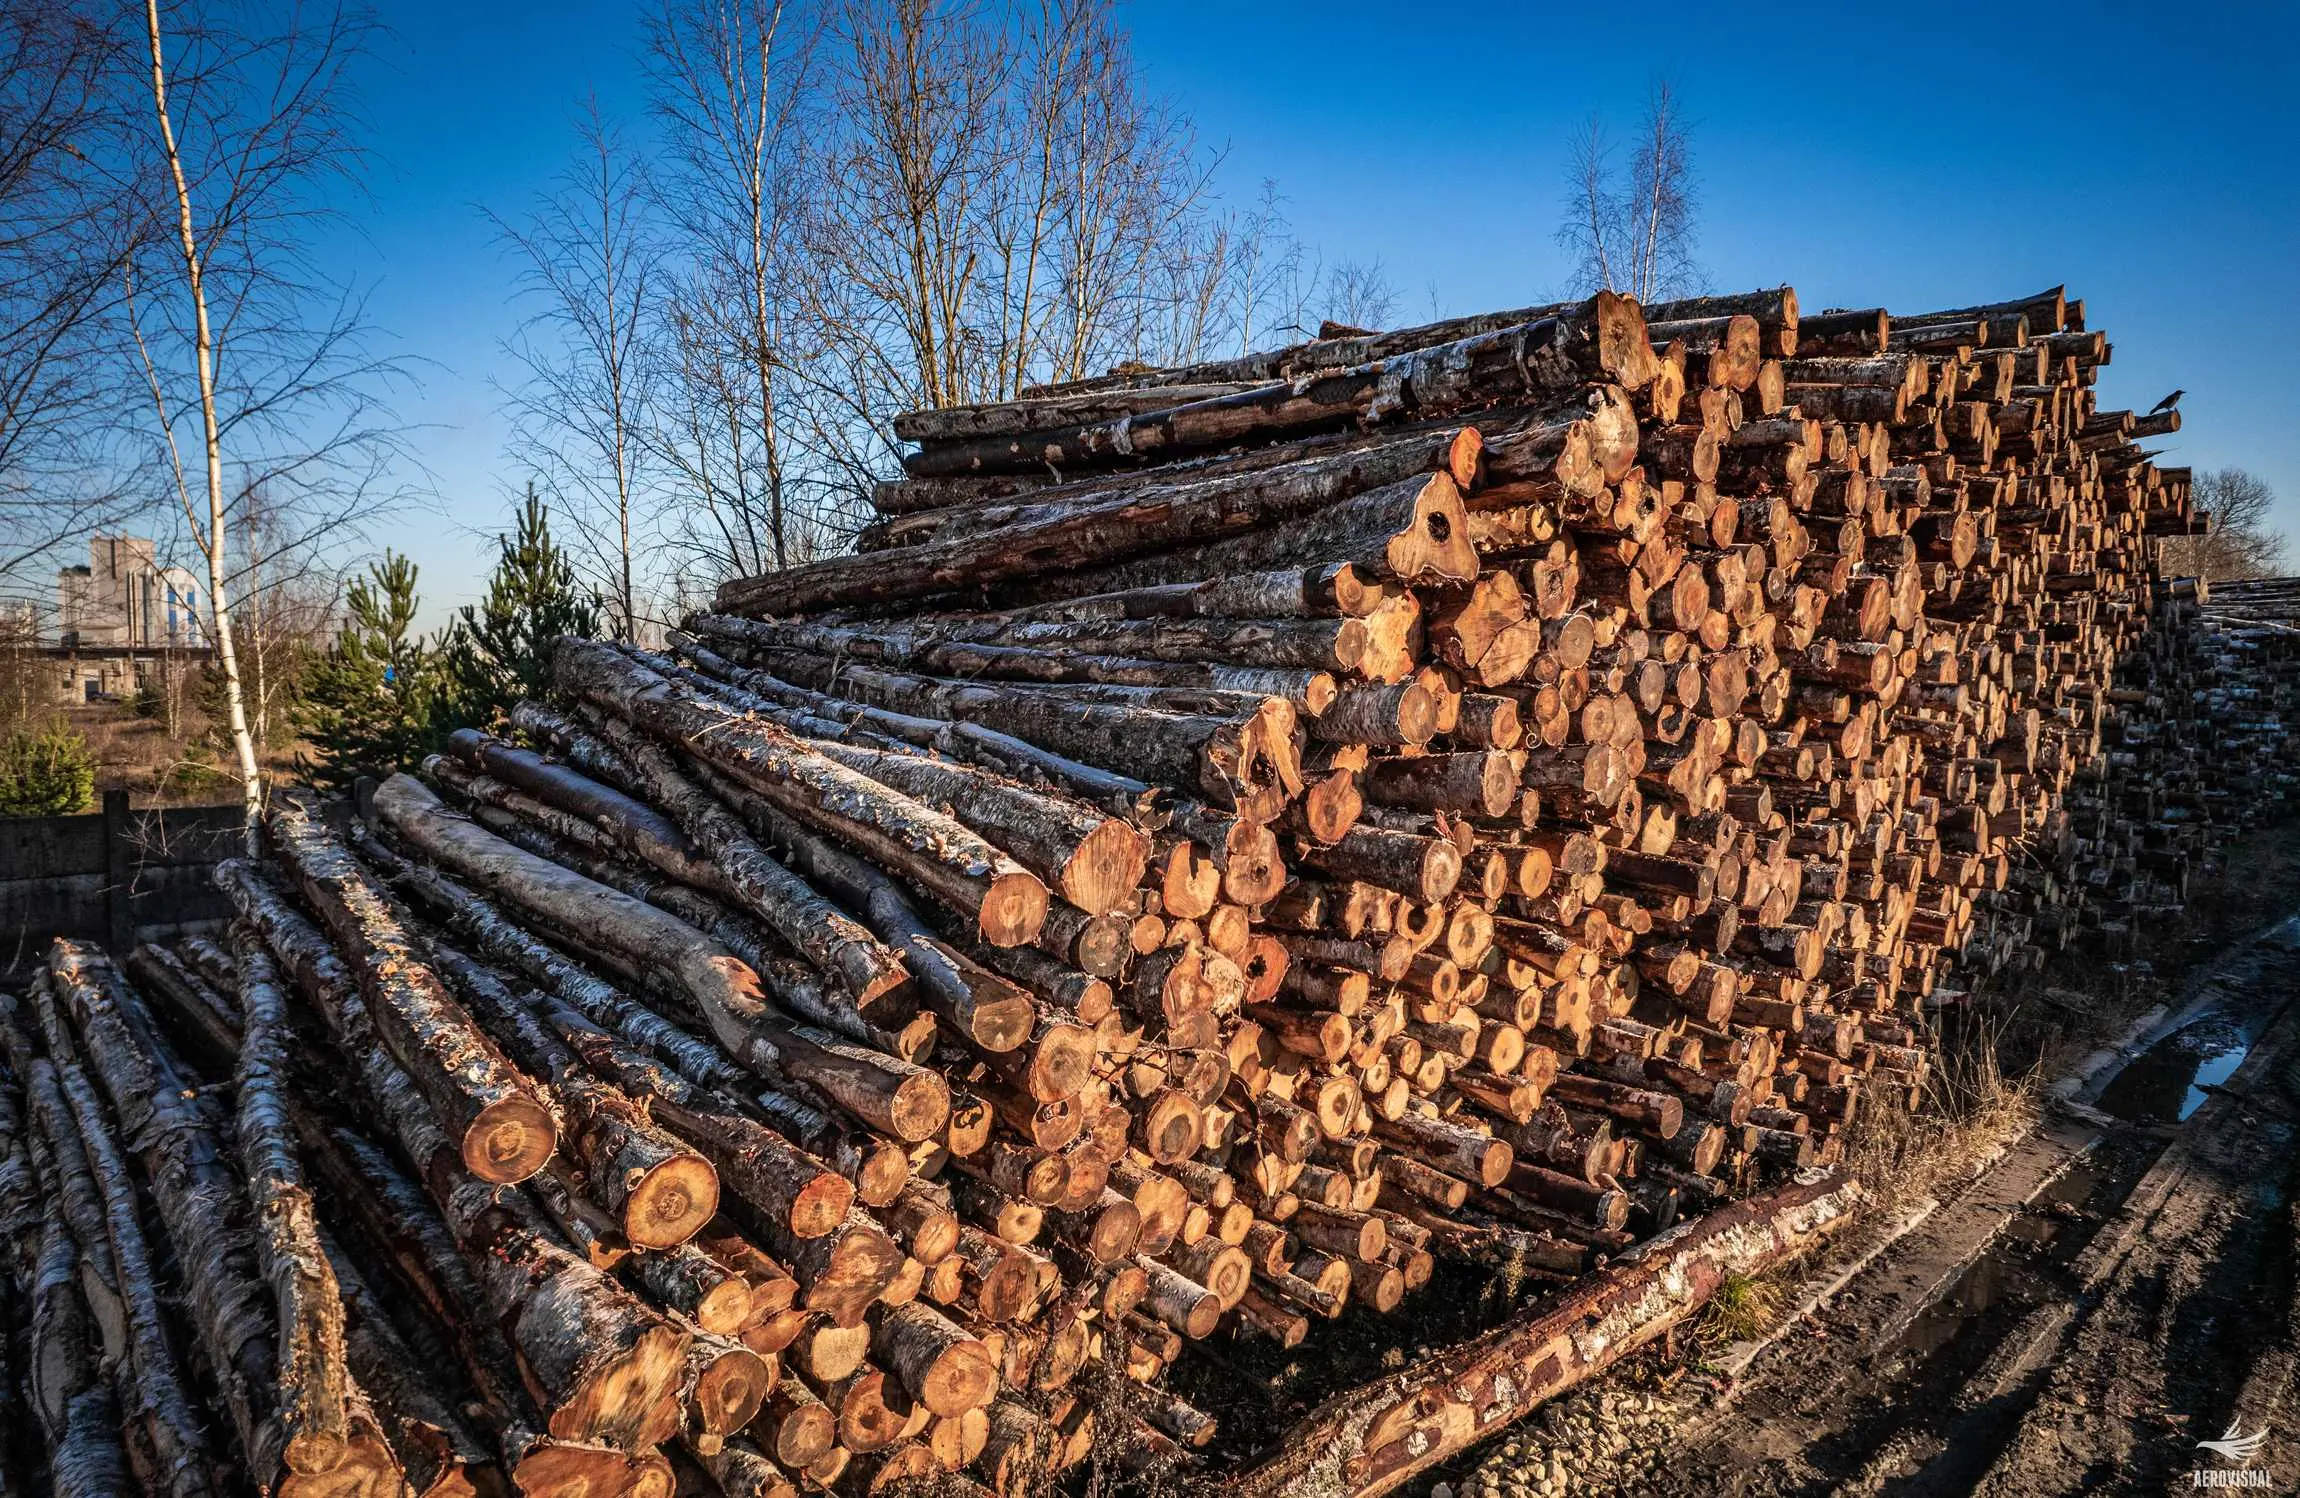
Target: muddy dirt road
x: 2109, y: 1307
x: 2115, y: 1291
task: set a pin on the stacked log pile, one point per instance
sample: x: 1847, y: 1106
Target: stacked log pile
x: 2199, y: 745
x: 1232, y: 837
x: 1687, y: 698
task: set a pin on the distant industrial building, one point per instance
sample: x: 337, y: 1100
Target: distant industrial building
x: 120, y: 620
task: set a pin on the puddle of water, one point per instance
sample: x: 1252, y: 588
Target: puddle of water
x: 2008, y: 1273
x: 1987, y: 1281
x: 2167, y: 1082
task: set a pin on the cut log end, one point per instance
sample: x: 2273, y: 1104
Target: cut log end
x: 1436, y: 546
x: 1013, y: 909
x: 1254, y: 867
x: 327, y: 1465
x: 919, y: 1107
x: 1061, y: 1062
x: 1173, y: 1128
x: 1116, y: 1228
x: 1106, y: 869
x: 730, y: 1389
x: 632, y: 1396
x: 573, y: 1471
x: 725, y: 1306
x: 879, y: 1178
x: 671, y: 1202
x: 962, y: 1377
x: 509, y: 1141
x: 823, y: 1202
x: 1624, y: 350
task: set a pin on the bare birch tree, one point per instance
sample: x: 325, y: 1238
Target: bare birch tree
x: 731, y: 86
x: 1264, y: 271
x: 999, y: 204
x: 871, y: 206
x: 590, y: 258
x: 1633, y: 232
x: 2243, y: 542
x: 252, y: 360
x: 1358, y: 295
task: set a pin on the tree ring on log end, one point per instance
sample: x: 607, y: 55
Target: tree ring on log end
x: 1173, y: 1128
x: 729, y: 1392
x: 822, y: 1204
x: 920, y: 1107
x: 1013, y: 909
x: 669, y: 1203
x: 509, y: 1141
x: 1107, y: 868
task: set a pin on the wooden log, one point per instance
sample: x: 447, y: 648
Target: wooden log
x: 327, y: 1429
x: 90, y: 1168
x: 502, y: 1128
x: 1377, y: 1437
x: 929, y: 846
x: 1538, y: 357
x: 1094, y: 532
x: 836, y: 943
x: 906, y: 1101
x: 943, y: 1367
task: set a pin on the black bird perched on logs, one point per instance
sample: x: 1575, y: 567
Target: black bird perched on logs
x: 2167, y: 403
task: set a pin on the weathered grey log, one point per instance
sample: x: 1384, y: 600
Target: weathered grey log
x: 929, y: 846
x: 906, y: 1101
x: 1603, y: 337
x: 327, y: 1427
x: 1087, y: 535
x: 502, y: 1127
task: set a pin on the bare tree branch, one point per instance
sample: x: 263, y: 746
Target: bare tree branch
x: 248, y: 356
x: 1634, y: 236
x: 2243, y: 542
x: 590, y: 256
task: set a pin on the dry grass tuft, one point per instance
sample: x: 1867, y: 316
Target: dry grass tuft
x: 1744, y: 1308
x: 1971, y: 1110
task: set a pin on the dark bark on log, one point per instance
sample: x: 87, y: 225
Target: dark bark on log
x: 436, y: 1447
x: 877, y: 1167
x: 603, y: 1366
x: 1095, y: 861
x: 207, y: 1018
x: 639, y: 829
x: 502, y: 1128
x: 906, y: 1101
x: 1015, y: 418
x: 932, y: 848
x: 71, y: 1400
x: 473, y: 917
x: 1416, y: 530
x: 978, y: 1004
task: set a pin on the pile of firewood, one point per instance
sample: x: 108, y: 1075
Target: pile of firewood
x: 1231, y: 836
x: 2200, y: 745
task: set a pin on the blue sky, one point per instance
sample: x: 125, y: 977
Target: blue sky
x: 1914, y: 156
